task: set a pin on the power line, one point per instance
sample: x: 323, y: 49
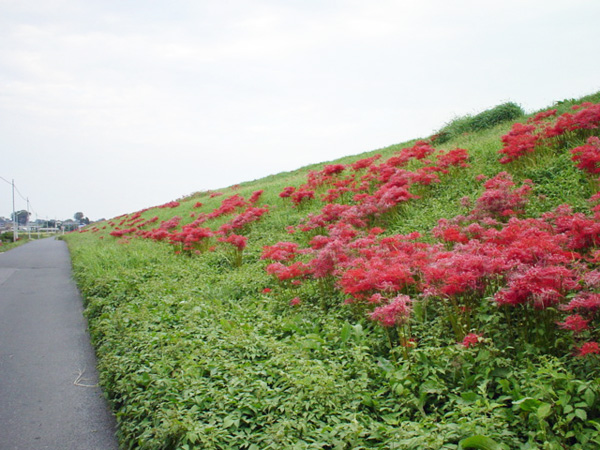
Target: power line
x: 19, y: 192
x: 26, y: 199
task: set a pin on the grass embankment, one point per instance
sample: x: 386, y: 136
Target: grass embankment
x: 359, y: 336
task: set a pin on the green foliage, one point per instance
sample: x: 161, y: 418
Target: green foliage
x: 489, y: 118
x: 7, y: 236
x: 193, y: 353
x: 479, y: 443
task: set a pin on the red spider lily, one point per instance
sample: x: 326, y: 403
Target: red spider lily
x: 387, y: 197
x: 173, y: 204
x: 541, y: 116
x: 457, y: 157
x: 295, y: 301
x: 333, y: 169
x: 587, y: 156
x: 158, y: 234
x: 574, y: 323
x: 171, y: 223
x: 452, y: 274
x: 426, y: 175
x: 584, y: 301
x: 589, y: 348
x: 587, y: 117
x: 255, y: 196
x: 287, y: 192
x: 121, y: 233
x: 368, y: 276
x: 191, y: 238
x: 530, y: 242
x: 238, y: 241
x: 449, y: 232
x: 583, y: 232
x: 539, y: 286
x: 229, y: 206
x: 397, y: 312
x: 250, y: 215
x: 376, y: 299
x: 281, y: 251
x: 148, y: 222
x: 301, y: 195
x: 592, y: 279
x: 296, y: 270
x: 328, y: 259
x: 501, y: 199
x: 520, y: 141
x: 364, y: 163
x: 471, y: 340
x: 332, y: 195
x: 524, y: 138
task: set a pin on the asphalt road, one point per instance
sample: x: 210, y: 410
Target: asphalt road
x: 48, y: 393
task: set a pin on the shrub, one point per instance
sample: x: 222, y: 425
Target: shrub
x: 7, y: 236
x: 482, y: 121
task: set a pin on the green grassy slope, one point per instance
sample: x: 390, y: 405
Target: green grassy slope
x: 200, y: 351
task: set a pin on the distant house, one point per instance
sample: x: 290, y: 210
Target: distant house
x: 5, y: 224
x: 70, y: 225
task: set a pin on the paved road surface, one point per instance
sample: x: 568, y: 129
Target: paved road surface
x: 44, y: 347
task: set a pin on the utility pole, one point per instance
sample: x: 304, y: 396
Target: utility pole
x: 28, y: 227
x: 15, y: 218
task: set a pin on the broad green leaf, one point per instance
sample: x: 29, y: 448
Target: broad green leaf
x: 431, y: 387
x: 228, y: 421
x: 479, y: 443
x: 226, y: 324
x: 589, y: 397
x: 469, y: 397
x: 346, y: 332
x: 581, y: 414
x: 544, y: 410
x: 528, y: 404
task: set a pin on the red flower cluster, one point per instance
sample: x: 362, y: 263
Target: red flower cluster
x: 589, y: 348
x: 236, y: 240
x: 396, y: 312
x: 173, y: 204
x: 524, y: 139
x: 587, y: 156
x: 527, y: 263
x: 471, y: 340
x: 192, y: 237
x: 520, y: 141
x: 374, y: 189
x: 587, y: 117
x: 282, y: 251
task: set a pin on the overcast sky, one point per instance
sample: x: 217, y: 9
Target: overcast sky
x: 108, y: 107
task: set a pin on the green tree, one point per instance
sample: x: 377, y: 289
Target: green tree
x: 21, y: 217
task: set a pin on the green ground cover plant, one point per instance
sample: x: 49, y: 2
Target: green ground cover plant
x: 7, y: 241
x: 429, y: 295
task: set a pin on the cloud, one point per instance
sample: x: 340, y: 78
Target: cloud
x: 160, y: 101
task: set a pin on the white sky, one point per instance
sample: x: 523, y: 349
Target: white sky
x: 111, y: 106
